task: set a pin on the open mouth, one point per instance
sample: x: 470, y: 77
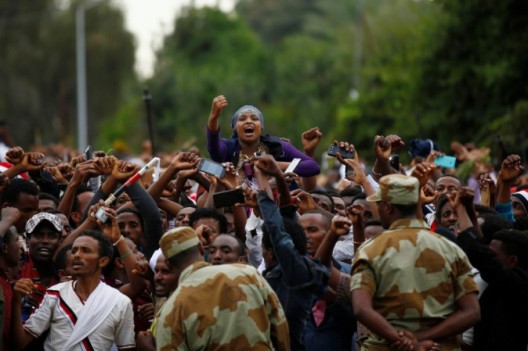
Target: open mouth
x: 44, y: 251
x: 76, y: 264
x: 249, y: 129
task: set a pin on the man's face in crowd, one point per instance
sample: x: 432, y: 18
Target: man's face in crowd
x: 46, y: 205
x: 518, y: 208
x: 28, y: 206
x: 84, y: 198
x: 502, y: 256
x: 43, y: 242
x: 315, y: 229
x: 367, y: 215
x: 372, y: 230
x: 224, y: 249
x: 339, y: 206
x: 449, y: 218
x: 165, y: 278
x: 384, y: 213
x: 130, y: 226
x: 66, y: 228
x: 323, y: 202
x: 182, y: 218
x: 447, y: 185
x: 85, y: 257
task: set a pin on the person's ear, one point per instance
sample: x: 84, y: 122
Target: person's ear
x: 76, y: 218
x: 513, y: 261
x: 104, y: 261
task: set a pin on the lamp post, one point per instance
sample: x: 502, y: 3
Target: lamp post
x: 82, y: 120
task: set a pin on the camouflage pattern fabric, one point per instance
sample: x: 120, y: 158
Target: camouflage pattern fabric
x: 226, y: 307
x: 415, y: 277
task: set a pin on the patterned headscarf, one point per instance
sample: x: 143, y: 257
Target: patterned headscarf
x: 245, y: 109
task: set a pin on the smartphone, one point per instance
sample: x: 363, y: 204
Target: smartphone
x: 394, y: 161
x: 228, y: 198
x: 445, y: 161
x: 101, y: 215
x: 88, y: 153
x: 212, y: 168
x: 333, y: 149
x: 293, y: 164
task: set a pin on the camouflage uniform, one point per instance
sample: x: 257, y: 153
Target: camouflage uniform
x: 415, y: 277
x: 226, y: 307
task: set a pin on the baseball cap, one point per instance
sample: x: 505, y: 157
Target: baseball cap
x: 397, y: 189
x: 37, y: 219
x: 522, y: 196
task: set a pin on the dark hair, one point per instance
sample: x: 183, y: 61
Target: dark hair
x: 48, y: 196
x: 133, y: 211
x: 16, y: 187
x: 60, y: 262
x: 514, y: 243
x: 352, y: 192
x: 327, y: 217
x: 105, y: 245
x: 10, y: 236
x: 521, y: 223
x: 441, y: 202
x: 295, y: 231
x: 481, y: 209
x: 241, y: 245
x: 492, y: 224
x: 324, y: 193
x: 209, y: 213
x: 83, y: 188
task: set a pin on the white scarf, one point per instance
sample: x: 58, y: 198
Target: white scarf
x: 95, y: 311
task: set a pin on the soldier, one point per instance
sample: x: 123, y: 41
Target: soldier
x: 410, y: 279
x: 226, y: 307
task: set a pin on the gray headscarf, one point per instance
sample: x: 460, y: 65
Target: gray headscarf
x: 245, y: 109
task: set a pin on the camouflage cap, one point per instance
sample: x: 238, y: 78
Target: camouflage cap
x: 397, y: 189
x: 177, y: 240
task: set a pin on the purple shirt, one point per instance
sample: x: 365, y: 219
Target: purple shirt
x: 218, y: 151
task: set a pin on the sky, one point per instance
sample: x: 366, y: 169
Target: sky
x: 150, y: 20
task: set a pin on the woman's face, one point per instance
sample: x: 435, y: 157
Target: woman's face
x: 248, y: 127
x: 449, y: 218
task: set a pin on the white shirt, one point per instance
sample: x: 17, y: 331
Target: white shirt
x: 58, y: 313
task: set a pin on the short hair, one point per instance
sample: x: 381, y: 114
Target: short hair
x: 295, y: 231
x: 324, y: 193
x: 83, y: 188
x: 481, y: 209
x: 326, y: 216
x: 48, y: 196
x: 352, y: 192
x: 16, y: 187
x: 521, y: 223
x: 202, y: 212
x: 514, y: 243
x: 105, y: 245
x: 131, y: 210
x: 441, y: 202
x: 492, y: 224
x: 373, y: 222
x: 451, y: 176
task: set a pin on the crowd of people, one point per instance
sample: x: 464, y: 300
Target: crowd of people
x: 360, y: 256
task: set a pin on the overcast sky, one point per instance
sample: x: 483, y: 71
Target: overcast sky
x: 149, y: 20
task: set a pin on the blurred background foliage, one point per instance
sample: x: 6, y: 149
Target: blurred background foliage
x: 444, y: 69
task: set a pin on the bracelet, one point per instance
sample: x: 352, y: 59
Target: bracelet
x: 376, y: 173
x: 128, y: 253
x: 118, y: 240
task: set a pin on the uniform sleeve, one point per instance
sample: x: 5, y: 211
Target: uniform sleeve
x: 124, y: 336
x: 40, y: 320
x: 363, y: 277
x: 464, y: 283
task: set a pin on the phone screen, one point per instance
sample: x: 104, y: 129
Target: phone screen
x: 212, y: 168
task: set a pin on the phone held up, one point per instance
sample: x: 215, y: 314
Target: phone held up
x: 228, y: 198
x: 212, y: 168
x: 394, y: 161
x: 333, y: 149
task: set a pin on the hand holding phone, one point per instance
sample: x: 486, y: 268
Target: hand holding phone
x: 333, y: 149
x: 228, y: 198
x: 212, y: 168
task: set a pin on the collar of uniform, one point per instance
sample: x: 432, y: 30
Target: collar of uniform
x: 408, y: 223
x: 191, y: 269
